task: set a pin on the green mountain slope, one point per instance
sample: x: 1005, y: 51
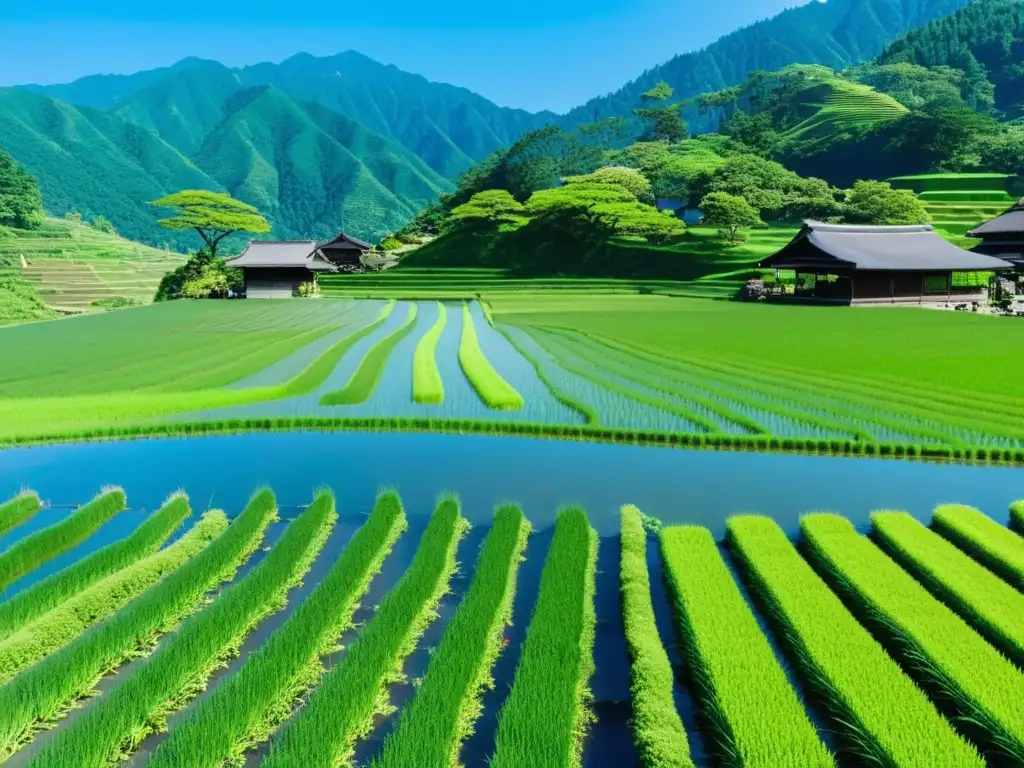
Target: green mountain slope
x: 95, y: 162
x: 310, y: 169
x: 449, y: 128
x: 184, y: 106
x: 837, y: 34
x: 985, y: 40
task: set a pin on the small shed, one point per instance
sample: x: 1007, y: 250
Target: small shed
x: 860, y: 264
x: 276, y: 269
x: 1003, y: 236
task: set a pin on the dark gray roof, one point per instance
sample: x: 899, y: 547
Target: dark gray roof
x: 1011, y: 222
x: 916, y: 248
x: 346, y: 241
x: 282, y: 253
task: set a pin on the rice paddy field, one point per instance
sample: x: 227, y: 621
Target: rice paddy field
x: 290, y: 625
x: 959, y: 202
x: 893, y: 382
x: 73, y: 265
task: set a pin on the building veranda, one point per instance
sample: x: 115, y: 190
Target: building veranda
x: 274, y: 269
x: 860, y: 264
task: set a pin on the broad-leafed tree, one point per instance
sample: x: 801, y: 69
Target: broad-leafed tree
x: 214, y: 215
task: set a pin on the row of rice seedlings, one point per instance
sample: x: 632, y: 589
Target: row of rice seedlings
x: 611, y: 409
x: 485, y: 307
x: 446, y: 704
x: 34, y: 550
x: 872, y: 397
x: 43, y: 693
x: 590, y: 415
x: 317, y: 372
x: 56, y: 589
x: 755, y: 413
x: 59, y: 626
x: 18, y: 510
x: 247, y: 707
x: 546, y: 715
x: 932, y: 642
x: 493, y: 389
x: 986, y: 602
x: 1000, y: 549
x: 754, y: 713
x: 440, y: 716
x: 341, y: 710
x: 863, y: 418
x: 427, y: 386
x: 883, y: 717
x: 367, y: 376
x: 657, y: 729
x: 695, y: 421
x: 761, y: 408
x: 1017, y: 516
x: 724, y: 417
x: 179, y: 670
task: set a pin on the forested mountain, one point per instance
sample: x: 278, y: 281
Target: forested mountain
x: 985, y: 41
x: 309, y: 169
x: 450, y: 128
x: 836, y: 34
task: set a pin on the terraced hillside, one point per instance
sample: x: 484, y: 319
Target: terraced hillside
x: 836, y: 105
x: 72, y: 265
x: 959, y: 202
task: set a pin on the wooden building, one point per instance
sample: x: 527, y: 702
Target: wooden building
x: 276, y: 269
x: 859, y: 264
x: 1003, y: 237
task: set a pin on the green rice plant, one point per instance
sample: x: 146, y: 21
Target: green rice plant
x: 753, y: 711
x: 171, y: 677
x: 440, y: 716
x: 317, y: 372
x: 493, y: 390
x: 247, y: 707
x: 41, y: 694
x: 62, y: 586
x: 934, y: 644
x: 58, y: 627
x: 485, y: 307
x: 883, y: 717
x: 34, y: 550
x: 367, y: 376
x: 1017, y: 516
x: 589, y: 413
x: 578, y: 368
x: 18, y: 510
x: 341, y: 710
x: 996, y: 547
x: 986, y: 602
x: 427, y: 386
x: 657, y: 730
x: 546, y: 715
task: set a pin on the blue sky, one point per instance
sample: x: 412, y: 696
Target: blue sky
x: 501, y: 50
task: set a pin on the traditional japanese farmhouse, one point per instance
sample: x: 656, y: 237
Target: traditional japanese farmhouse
x: 276, y: 269
x: 1003, y: 237
x: 844, y: 264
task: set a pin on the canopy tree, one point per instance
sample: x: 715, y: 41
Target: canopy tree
x: 729, y: 213
x: 492, y: 206
x: 629, y: 179
x: 876, y: 202
x: 664, y: 121
x: 214, y: 215
x: 21, y: 204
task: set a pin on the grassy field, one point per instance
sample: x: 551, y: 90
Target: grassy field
x: 959, y: 202
x: 72, y: 265
x: 880, y: 670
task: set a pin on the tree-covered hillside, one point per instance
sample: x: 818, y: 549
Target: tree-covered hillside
x: 985, y: 41
x: 836, y: 34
